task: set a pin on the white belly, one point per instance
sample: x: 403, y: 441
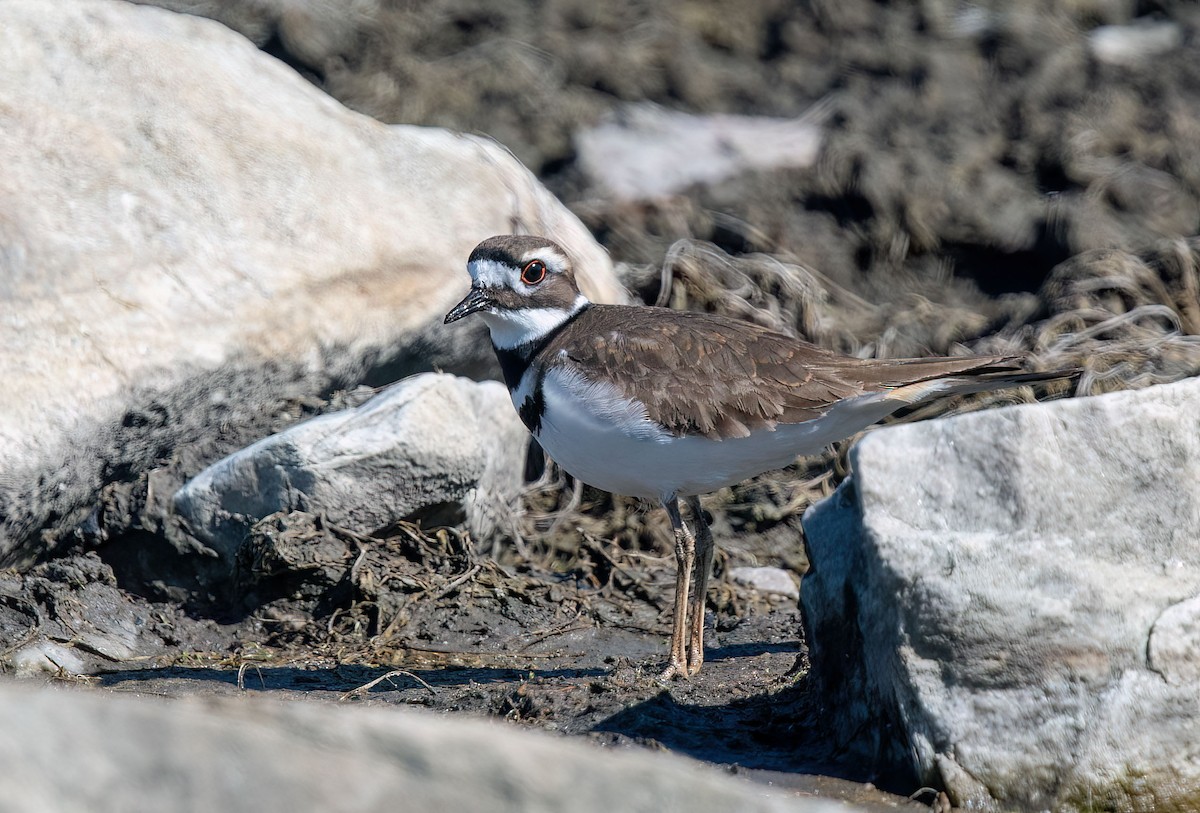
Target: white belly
x: 608, y: 442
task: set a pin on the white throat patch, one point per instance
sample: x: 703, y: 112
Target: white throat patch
x: 511, y: 329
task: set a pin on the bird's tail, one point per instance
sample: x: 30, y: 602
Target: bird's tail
x: 992, y: 374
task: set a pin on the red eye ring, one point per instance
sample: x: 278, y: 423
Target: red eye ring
x: 533, y: 272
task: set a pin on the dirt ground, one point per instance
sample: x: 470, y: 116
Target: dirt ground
x: 566, y: 639
x: 563, y: 630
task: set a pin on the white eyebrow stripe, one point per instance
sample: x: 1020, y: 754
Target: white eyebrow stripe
x: 549, y: 256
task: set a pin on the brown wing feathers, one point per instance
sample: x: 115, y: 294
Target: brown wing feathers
x: 682, y: 364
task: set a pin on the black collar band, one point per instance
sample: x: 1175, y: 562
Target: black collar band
x: 515, y: 361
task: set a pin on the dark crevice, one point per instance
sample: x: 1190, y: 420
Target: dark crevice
x: 849, y: 208
x: 1000, y: 271
x: 1051, y: 177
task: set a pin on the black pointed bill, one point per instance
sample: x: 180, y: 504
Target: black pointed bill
x: 476, y: 300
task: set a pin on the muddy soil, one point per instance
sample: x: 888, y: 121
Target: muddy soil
x: 567, y: 639
x: 563, y: 629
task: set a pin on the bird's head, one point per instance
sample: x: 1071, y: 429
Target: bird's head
x: 522, y: 286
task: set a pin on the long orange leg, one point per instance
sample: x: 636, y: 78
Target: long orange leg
x: 685, y: 560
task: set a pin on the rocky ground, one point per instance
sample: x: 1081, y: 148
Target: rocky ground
x: 563, y: 630
x: 421, y: 619
x: 989, y: 179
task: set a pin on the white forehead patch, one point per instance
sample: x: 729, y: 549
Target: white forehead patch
x: 491, y: 274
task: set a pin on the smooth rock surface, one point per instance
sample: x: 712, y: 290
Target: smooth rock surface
x: 192, y: 235
x: 1007, y: 602
x: 71, y: 750
x: 429, y: 441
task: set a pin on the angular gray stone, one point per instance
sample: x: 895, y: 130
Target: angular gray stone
x: 430, y: 440
x: 192, y: 237
x: 1008, y: 602
x: 67, y: 750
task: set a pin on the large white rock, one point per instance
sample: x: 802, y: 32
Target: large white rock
x: 431, y: 440
x: 1008, y: 602
x: 71, y: 750
x: 190, y: 233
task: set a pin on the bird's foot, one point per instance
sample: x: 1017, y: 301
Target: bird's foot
x: 675, y: 669
x: 682, y: 668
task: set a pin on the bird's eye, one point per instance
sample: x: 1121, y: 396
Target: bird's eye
x: 533, y: 272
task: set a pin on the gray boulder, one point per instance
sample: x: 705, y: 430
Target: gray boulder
x: 1007, y: 602
x: 193, y: 239
x: 427, y: 443
x: 68, y: 750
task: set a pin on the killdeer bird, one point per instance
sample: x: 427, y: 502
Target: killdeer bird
x: 664, y: 405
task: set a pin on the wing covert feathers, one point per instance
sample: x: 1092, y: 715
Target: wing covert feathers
x: 723, y: 378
